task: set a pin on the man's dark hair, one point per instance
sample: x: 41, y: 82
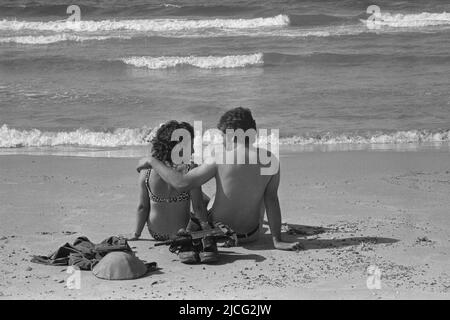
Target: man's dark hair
x: 237, y: 118
x: 162, y: 142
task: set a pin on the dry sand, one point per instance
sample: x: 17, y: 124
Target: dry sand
x: 387, y: 209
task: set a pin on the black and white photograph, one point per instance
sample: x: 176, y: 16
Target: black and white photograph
x: 232, y: 150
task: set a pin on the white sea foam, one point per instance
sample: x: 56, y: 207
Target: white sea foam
x: 145, y: 25
x: 399, y: 137
x: 13, y: 138
x: 57, y: 38
x: 423, y: 19
x: 169, y: 5
x: 207, y: 62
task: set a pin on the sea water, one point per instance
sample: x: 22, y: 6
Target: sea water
x: 315, y: 70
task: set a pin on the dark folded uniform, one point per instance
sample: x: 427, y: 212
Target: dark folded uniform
x: 83, y: 253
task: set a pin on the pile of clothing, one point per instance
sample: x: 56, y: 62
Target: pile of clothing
x: 111, y: 259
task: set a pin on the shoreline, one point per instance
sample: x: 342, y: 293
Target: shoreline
x: 388, y: 209
x: 141, y: 151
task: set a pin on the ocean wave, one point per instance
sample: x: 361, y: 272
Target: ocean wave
x: 206, y: 62
x: 57, y: 38
x: 419, y: 20
x: 398, y: 137
x: 318, y: 20
x: 14, y: 138
x: 145, y: 25
x: 169, y: 5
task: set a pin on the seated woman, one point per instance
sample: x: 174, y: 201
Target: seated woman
x: 163, y: 208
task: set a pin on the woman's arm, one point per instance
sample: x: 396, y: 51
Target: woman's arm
x: 143, y: 210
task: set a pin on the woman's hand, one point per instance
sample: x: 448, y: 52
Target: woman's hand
x: 144, y: 163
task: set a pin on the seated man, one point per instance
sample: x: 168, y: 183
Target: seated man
x: 242, y: 192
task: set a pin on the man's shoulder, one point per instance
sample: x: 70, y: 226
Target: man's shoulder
x: 267, y: 158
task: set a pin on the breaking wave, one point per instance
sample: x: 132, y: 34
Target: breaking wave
x: 14, y: 138
x: 398, y: 137
x: 423, y: 19
x: 145, y: 25
x: 207, y: 62
x: 57, y: 38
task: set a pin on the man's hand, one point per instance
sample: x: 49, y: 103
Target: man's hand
x: 287, y: 246
x: 144, y: 163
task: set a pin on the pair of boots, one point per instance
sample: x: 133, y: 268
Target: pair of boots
x: 202, y: 250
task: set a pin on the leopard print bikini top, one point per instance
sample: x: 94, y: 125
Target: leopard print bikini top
x: 183, y: 196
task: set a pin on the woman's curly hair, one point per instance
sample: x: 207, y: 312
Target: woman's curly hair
x: 162, y: 143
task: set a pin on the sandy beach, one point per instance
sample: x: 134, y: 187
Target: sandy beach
x: 359, y: 209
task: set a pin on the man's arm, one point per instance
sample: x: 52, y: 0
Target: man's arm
x: 181, y: 181
x: 274, y: 214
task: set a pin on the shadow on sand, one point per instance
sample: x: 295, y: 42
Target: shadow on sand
x: 152, y: 269
x: 301, y: 230
x: 299, y: 233
x: 230, y: 257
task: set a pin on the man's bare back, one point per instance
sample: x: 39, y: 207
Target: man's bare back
x: 239, y: 198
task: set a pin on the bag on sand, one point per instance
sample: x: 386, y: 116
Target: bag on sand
x: 121, y: 266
